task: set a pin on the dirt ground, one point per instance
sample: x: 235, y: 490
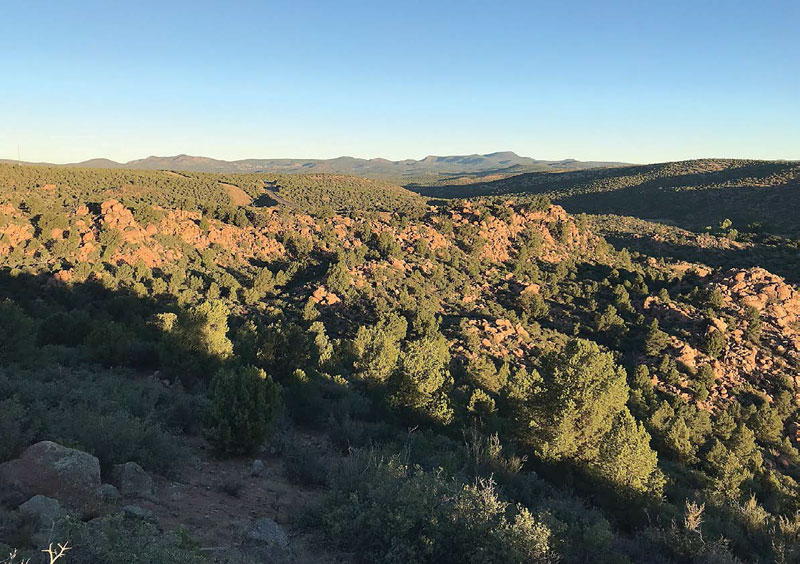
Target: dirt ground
x: 217, y: 500
x: 238, y: 196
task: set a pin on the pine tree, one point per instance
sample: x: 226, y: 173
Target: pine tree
x: 656, y: 340
x: 423, y: 378
x: 626, y: 459
x: 245, y: 403
x: 377, y: 348
x: 581, y: 416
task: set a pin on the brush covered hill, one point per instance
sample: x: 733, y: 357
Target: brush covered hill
x: 198, y: 190
x: 479, y: 381
x: 756, y: 195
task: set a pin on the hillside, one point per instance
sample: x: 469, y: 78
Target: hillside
x: 317, y: 368
x: 196, y: 191
x: 429, y: 169
x: 754, y: 195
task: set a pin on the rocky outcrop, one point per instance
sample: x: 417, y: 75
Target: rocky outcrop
x: 778, y: 302
x: 136, y: 513
x: 766, y: 364
x: 323, y: 297
x: 44, y: 513
x: 257, y: 468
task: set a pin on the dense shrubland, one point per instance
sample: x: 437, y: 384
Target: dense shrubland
x: 568, y: 400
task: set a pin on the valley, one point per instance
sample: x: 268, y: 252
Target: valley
x: 597, y: 365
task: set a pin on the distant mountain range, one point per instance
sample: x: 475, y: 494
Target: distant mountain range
x: 430, y: 169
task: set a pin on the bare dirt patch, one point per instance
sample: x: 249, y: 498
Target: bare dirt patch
x: 238, y: 196
x: 218, y: 499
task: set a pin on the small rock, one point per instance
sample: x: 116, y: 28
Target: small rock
x: 139, y: 513
x: 132, y: 480
x: 45, y: 509
x: 108, y: 494
x: 258, y: 468
x: 266, y: 532
x: 266, y: 541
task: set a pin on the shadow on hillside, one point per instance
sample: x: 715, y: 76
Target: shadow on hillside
x: 265, y: 201
x: 670, y: 175
x: 778, y: 260
x: 696, y: 209
x: 90, y: 323
x: 93, y: 368
x: 72, y: 343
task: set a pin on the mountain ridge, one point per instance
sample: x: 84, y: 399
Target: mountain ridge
x: 430, y: 167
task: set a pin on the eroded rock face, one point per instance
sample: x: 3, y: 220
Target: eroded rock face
x: 49, y: 469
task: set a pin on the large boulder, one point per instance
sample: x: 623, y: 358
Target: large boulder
x: 132, y: 480
x: 49, y: 469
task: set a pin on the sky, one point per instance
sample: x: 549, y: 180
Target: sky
x: 621, y: 81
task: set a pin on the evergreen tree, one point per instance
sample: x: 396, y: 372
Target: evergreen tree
x: 581, y: 416
x: 244, y: 405
x: 656, y: 340
x: 424, y: 377
x: 626, y: 459
x: 377, y: 348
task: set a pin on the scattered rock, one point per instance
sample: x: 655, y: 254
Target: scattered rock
x: 139, y: 513
x: 46, y: 510
x: 47, y: 468
x: 323, y: 297
x: 132, y: 480
x: 258, y: 468
x: 108, y: 494
x: 267, y: 541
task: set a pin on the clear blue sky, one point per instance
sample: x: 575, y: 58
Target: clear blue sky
x: 636, y: 81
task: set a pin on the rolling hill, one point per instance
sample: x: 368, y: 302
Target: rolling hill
x: 295, y: 354
x: 431, y: 169
x: 691, y: 194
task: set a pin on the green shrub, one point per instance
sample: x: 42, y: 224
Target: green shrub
x: 714, y: 343
x: 392, y: 513
x: 16, y: 332
x: 114, y: 539
x: 533, y: 305
x: 245, y: 404
x: 79, y: 407
x: 753, y: 330
x: 15, y: 431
